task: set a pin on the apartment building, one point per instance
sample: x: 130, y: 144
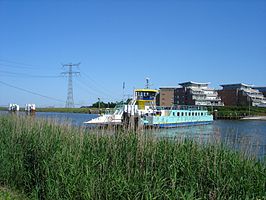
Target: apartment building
x: 193, y: 93
x: 241, y: 94
x: 261, y: 89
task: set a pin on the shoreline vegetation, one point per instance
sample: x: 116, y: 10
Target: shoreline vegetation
x: 45, y: 160
x: 65, y: 110
x: 236, y: 112
x: 230, y: 112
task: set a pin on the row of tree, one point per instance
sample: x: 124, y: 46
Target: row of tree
x: 101, y: 104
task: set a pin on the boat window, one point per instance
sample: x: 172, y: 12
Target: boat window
x: 189, y: 113
x: 173, y: 113
x: 192, y: 113
x: 201, y: 113
x: 178, y: 113
x: 182, y: 114
x: 196, y: 114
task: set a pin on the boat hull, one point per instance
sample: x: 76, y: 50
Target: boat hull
x: 181, y: 124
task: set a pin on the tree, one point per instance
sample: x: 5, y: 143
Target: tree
x: 103, y: 104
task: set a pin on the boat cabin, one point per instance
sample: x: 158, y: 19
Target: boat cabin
x: 145, y: 97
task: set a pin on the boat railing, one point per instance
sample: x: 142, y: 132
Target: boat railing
x: 182, y: 107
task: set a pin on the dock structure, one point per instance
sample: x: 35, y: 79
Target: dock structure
x: 13, y: 107
x: 132, y: 122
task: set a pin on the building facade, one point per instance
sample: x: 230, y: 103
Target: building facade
x: 193, y: 93
x: 166, y: 96
x: 241, y: 94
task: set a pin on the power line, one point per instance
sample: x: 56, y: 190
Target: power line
x: 70, y: 73
x: 28, y: 75
x: 97, y: 91
x: 18, y: 63
x: 93, y: 91
x: 31, y: 92
x: 98, y: 84
x: 15, y: 66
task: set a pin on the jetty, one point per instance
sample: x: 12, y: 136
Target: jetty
x: 254, y: 118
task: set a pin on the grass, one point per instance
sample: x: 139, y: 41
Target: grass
x: 49, y: 161
x: 3, y: 108
x: 7, y: 194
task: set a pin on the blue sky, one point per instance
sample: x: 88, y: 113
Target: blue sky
x: 115, y: 41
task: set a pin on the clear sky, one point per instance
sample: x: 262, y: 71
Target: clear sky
x: 217, y: 41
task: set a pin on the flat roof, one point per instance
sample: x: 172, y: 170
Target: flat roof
x: 169, y: 87
x: 237, y: 84
x: 145, y: 90
x: 260, y: 88
x: 263, y: 87
x: 194, y: 83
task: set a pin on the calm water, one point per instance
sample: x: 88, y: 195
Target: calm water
x: 248, y: 133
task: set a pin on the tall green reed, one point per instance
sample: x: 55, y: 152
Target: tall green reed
x: 51, y: 161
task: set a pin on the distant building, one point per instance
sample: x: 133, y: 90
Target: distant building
x: 166, y: 96
x: 193, y: 93
x: 241, y: 94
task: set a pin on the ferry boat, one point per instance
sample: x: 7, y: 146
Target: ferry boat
x: 178, y: 116
x: 142, y: 108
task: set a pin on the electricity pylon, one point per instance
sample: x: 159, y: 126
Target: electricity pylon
x: 70, y: 73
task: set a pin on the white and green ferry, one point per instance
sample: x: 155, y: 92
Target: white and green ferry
x: 178, y: 116
x: 143, y: 108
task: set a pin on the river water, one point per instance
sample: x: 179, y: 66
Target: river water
x: 247, y: 135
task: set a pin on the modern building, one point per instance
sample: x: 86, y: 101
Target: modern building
x: 261, y: 89
x: 166, y: 96
x: 193, y: 93
x: 241, y: 94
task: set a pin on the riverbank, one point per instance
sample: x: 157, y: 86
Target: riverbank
x: 236, y: 112
x: 66, y: 110
x: 255, y: 118
x: 72, y: 110
x: 222, y: 112
x: 49, y: 161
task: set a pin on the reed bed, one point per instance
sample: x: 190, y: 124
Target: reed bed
x: 49, y: 161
